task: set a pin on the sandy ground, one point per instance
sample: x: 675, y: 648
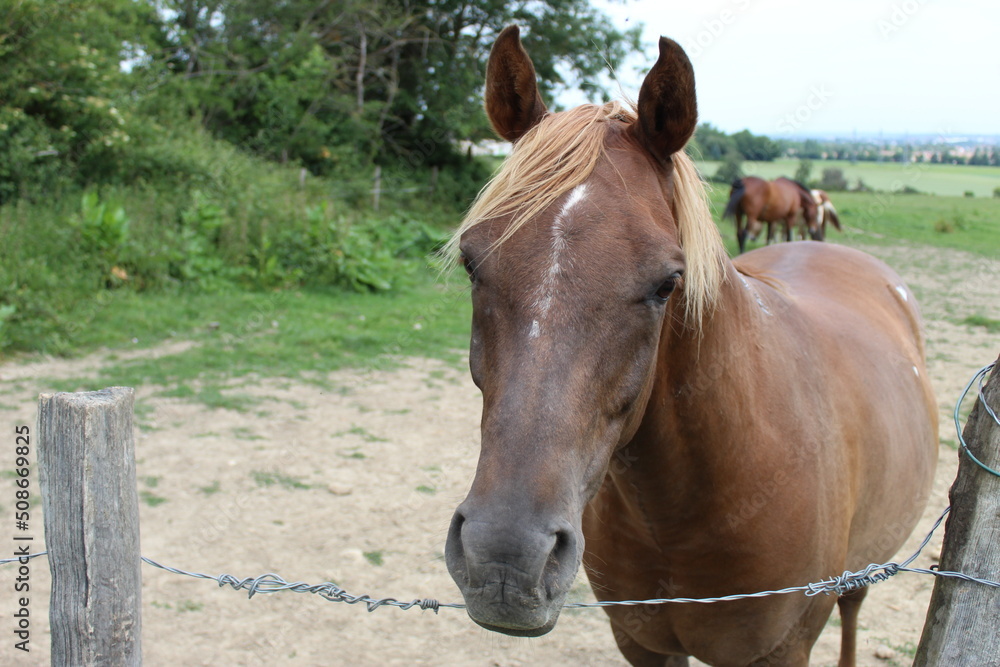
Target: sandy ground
x: 357, y: 484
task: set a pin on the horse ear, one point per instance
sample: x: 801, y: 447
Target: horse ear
x: 513, y: 103
x: 668, y: 111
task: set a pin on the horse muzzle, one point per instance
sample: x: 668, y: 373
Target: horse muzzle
x: 514, y: 577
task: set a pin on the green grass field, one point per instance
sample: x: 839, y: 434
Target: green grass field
x: 306, y: 333
x: 884, y: 218
x: 936, y: 179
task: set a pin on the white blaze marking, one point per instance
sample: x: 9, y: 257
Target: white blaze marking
x: 545, y: 294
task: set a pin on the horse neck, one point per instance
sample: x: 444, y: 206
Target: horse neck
x: 703, y: 402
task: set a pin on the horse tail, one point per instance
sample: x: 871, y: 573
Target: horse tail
x: 735, y: 197
x: 831, y: 215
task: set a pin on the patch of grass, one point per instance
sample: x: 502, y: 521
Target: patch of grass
x: 429, y: 490
x: 374, y: 557
x: 352, y: 453
x: 246, y: 433
x: 272, y: 478
x: 151, y: 481
x: 991, y: 325
x: 151, y: 498
x: 189, y: 605
x: 212, y: 488
x: 319, y: 332
x: 361, y: 432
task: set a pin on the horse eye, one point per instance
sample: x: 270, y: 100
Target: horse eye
x: 663, y: 291
x: 468, y: 265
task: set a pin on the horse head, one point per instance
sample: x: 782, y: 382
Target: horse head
x: 812, y: 213
x: 573, y: 250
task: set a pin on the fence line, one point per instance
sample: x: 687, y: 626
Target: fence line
x: 846, y: 582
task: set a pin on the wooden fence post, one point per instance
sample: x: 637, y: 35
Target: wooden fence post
x: 961, y: 624
x: 86, y: 458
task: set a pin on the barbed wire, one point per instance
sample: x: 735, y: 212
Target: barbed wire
x: 840, y: 585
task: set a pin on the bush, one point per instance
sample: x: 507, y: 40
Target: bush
x: 362, y: 254
x: 730, y: 169
x: 804, y: 171
x: 833, y: 179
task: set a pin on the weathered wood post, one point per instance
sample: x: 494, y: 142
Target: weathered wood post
x: 961, y: 625
x: 86, y: 458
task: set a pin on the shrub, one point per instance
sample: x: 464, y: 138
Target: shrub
x: 833, y: 179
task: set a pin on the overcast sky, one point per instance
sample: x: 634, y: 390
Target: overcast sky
x: 787, y: 67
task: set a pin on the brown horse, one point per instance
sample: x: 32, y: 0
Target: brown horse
x: 628, y: 370
x: 780, y: 200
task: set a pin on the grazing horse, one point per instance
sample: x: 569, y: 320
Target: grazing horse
x: 780, y: 200
x: 628, y: 370
x: 827, y: 213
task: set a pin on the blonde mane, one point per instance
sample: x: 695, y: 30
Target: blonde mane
x: 560, y: 153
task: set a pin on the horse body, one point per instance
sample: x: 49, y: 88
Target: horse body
x: 781, y: 200
x: 743, y: 499
x: 628, y: 370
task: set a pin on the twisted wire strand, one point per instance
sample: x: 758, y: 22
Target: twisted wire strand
x: 18, y: 559
x: 980, y: 376
x: 845, y: 583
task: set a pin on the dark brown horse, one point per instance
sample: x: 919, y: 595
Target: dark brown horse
x: 628, y: 370
x: 781, y: 200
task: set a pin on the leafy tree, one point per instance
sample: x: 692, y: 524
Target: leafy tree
x: 804, y: 171
x: 757, y: 148
x: 348, y: 83
x: 63, y: 94
x: 711, y: 143
x: 730, y: 169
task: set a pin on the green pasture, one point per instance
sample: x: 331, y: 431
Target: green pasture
x: 886, y: 218
x: 235, y: 333
x: 235, y: 336
x: 935, y: 179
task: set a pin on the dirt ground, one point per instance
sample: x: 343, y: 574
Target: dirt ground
x: 356, y: 485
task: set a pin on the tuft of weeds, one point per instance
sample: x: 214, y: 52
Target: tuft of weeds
x: 151, y: 498
x: 282, y: 480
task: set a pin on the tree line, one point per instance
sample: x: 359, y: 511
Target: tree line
x: 90, y: 88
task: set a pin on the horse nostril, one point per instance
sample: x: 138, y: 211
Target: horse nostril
x: 563, y: 558
x: 454, y: 549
